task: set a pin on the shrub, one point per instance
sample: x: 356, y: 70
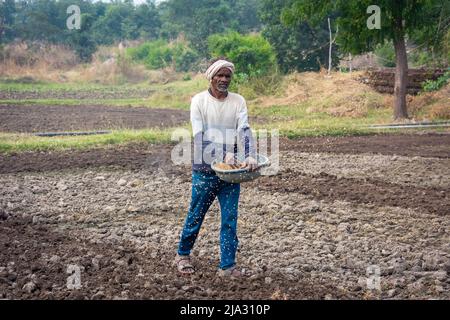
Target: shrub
x: 434, y: 85
x: 254, y: 86
x: 254, y: 59
x: 160, y: 54
x: 385, y: 54
x: 251, y: 54
x: 184, y: 57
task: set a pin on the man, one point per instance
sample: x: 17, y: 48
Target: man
x: 220, y: 127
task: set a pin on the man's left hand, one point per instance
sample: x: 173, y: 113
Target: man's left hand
x: 251, y: 163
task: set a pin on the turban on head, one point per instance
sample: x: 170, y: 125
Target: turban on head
x: 216, y: 66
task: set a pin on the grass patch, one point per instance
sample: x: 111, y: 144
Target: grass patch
x: 12, y: 143
x: 133, y: 102
x: 180, y: 86
x: 296, y: 121
x: 41, y: 86
x: 174, y: 95
x: 306, y: 105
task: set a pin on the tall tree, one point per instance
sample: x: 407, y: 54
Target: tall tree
x: 40, y: 20
x: 434, y: 36
x: 198, y: 19
x: 399, y: 19
x: 115, y: 25
x: 7, y: 10
x: 81, y: 41
x: 147, y: 22
x: 299, y: 46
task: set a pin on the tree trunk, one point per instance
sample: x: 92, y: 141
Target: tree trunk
x: 350, y: 62
x: 1, y: 30
x: 401, y: 76
x: 331, y: 45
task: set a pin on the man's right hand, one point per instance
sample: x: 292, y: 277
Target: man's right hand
x: 229, y: 158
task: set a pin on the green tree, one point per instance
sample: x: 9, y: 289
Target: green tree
x: 198, y: 19
x: 40, y: 20
x: 299, y: 46
x: 81, y: 41
x: 7, y: 11
x: 147, y: 22
x: 45, y: 20
x: 122, y: 20
x: 115, y: 24
x: 399, y: 19
x: 247, y: 19
x: 161, y: 54
x: 432, y: 38
x: 385, y: 54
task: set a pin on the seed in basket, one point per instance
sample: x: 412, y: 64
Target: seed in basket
x: 226, y: 166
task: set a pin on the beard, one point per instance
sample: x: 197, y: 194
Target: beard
x: 222, y: 87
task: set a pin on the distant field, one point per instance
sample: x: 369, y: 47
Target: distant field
x: 306, y: 104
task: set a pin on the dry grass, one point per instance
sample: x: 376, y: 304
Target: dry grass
x: 339, y: 95
x: 110, y: 66
x: 431, y: 105
x: 115, y: 70
x: 58, y: 64
x: 342, y: 95
x: 22, y: 54
x: 439, y: 111
x: 38, y: 61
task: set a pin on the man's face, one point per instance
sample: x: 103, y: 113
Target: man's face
x: 221, y: 81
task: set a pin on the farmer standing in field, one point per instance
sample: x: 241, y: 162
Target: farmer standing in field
x: 220, y: 127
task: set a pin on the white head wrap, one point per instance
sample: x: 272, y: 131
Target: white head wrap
x: 216, y: 66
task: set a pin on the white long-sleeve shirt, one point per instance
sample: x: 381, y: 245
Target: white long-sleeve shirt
x: 207, y: 113
x: 220, y: 122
